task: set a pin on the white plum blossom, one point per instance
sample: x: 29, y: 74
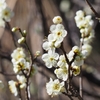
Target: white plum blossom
x: 76, y: 49
x: 6, y: 14
x: 85, y: 24
x: 55, y: 38
x: 50, y: 44
x: 17, y: 54
x: 22, y: 81
x: 54, y: 87
x: 20, y: 61
x: 13, y: 87
x: 78, y: 61
x: 62, y: 61
x: 86, y: 50
x: 57, y: 20
x: 59, y: 34
x: 20, y: 65
x: 50, y: 58
x: 57, y: 26
x: 62, y: 73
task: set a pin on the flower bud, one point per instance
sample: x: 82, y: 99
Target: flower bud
x: 37, y: 53
x: 76, y: 70
x: 24, y: 33
x: 14, y: 29
x: 22, y: 40
x: 57, y: 20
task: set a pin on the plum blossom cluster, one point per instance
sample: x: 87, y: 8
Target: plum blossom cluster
x: 85, y: 24
x: 54, y: 40
x: 15, y: 86
x: 20, y: 60
x: 67, y: 64
x: 5, y: 13
x: 21, y: 65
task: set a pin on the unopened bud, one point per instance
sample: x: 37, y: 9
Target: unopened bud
x: 22, y: 40
x: 76, y: 70
x: 37, y: 53
x: 75, y: 49
x: 24, y: 33
x: 14, y: 29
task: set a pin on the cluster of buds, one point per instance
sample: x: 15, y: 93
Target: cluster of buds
x: 5, y: 13
x: 23, y: 65
x: 67, y: 64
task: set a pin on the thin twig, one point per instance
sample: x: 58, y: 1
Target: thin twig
x: 91, y: 7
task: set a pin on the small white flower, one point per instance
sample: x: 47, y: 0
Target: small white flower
x: 49, y: 45
x: 76, y: 49
x: 54, y: 87
x: 17, y: 54
x: 7, y: 14
x: 22, y: 81
x: 21, y: 64
x: 13, y: 87
x: 50, y: 58
x: 62, y: 61
x: 62, y: 73
x: 80, y: 13
x: 59, y: 34
x: 86, y: 50
x: 70, y: 55
x: 57, y: 20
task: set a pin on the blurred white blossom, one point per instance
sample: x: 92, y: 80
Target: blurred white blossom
x: 54, y: 87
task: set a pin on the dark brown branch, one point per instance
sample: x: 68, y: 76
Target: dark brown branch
x: 91, y: 7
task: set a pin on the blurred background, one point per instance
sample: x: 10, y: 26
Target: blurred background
x: 35, y: 16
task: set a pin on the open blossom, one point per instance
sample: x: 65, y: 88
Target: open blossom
x: 62, y: 61
x: 59, y: 34
x: 22, y: 81
x: 6, y: 14
x: 86, y: 50
x: 17, y: 54
x: 62, y: 72
x: 54, y: 87
x: 55, y: 38
x: 21, y: 64
x: 57, y: 20
x: 50, y: 58
x: 13, y: 87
